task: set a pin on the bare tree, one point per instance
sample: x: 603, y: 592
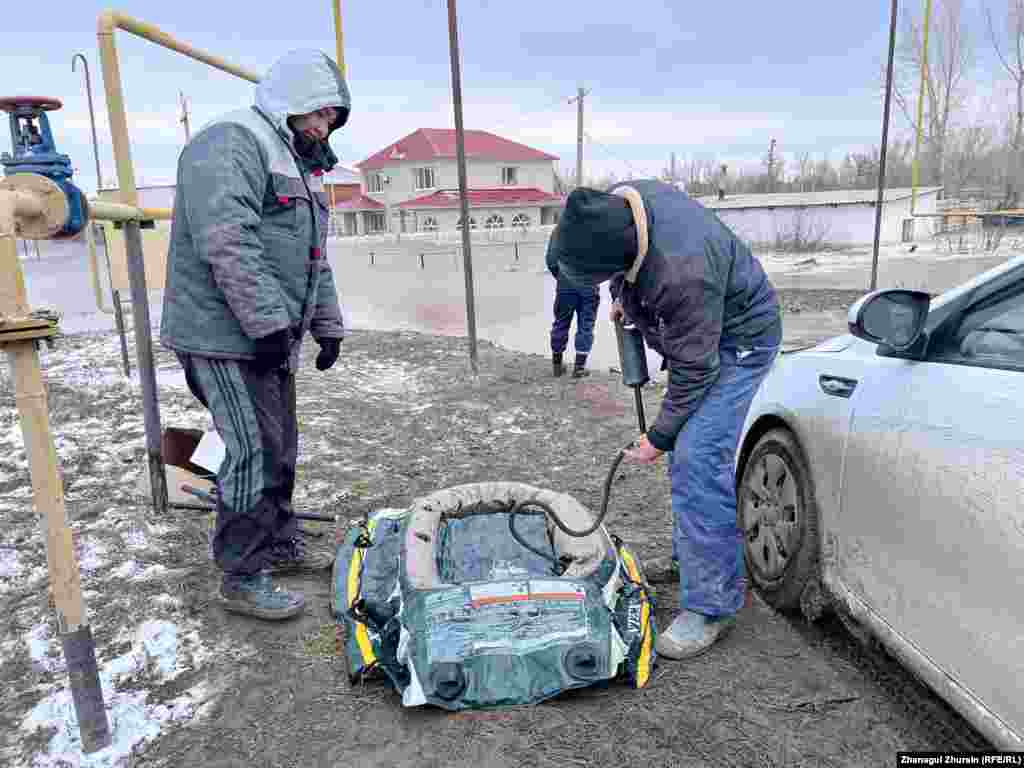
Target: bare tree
x: 805, y: 169
x: 1010, y: 51
x: 966, y: 151
x: 950, y: 57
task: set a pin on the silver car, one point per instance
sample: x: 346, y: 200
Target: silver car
x: 882, y: 473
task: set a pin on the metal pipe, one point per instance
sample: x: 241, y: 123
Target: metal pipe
x: 133, y: 248
x: 65, y: 590
x: 339, y: 37
x: 92, y: 116
x: 147, y: 369
x: 920, y: 108
x: 111, y: 20
x: 460, y: 145
x: 885, y: 146
x: 102, y: 210
x: 95, y: 269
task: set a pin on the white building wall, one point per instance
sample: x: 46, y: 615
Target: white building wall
x: 447, y: 218
x: 841, y: 224
x: 479, y: 174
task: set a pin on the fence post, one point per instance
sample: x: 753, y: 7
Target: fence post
x: 423, y: 263
x: 371, y: 258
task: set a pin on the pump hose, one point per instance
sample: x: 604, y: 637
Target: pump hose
x: 521, y: 507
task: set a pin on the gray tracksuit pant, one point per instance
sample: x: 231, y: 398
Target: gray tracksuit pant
x: 254, y: 414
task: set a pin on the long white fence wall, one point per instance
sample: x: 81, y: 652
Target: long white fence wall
x: 491, y: 248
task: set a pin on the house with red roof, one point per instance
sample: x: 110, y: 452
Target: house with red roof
x: 412, y: 185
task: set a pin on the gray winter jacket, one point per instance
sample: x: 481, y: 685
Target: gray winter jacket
x: 697, y: 287
x: 249, y: 229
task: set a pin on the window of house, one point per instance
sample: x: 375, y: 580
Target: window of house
x: 375, y: 222
x: 375, y: 183
x: 494, y: 221
x: 429, y: 224
x: 425, y: 178
x: 472, y: 223
x: 509, y: 176
x: 521, y: 220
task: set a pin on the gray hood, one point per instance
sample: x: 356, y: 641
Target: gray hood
x: 300, y: 82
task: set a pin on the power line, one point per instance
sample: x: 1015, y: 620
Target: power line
x: 523, y: 115
x: 611, y: 154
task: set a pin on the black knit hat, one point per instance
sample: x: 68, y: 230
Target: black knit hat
x: 595, y: 236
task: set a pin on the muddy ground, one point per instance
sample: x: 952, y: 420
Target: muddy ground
x: 399, y: 416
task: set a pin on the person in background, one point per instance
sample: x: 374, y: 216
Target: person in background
x: 247, y: 279
x: 571, y: 300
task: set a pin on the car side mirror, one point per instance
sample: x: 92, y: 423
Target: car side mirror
x: 894, y: 317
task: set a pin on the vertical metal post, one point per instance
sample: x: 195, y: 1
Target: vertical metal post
x: 339, y: 38
x: 885, y: 146
x: 914, y: 173
x: 92, y: 115
x: 579, y: 136
x: 64, y: 578
x: 115, y: 295
x: 460, y: 144
x: 118, y: 310
x: 136, y: 268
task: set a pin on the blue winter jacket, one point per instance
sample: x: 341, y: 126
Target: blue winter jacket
x: 698, y: 287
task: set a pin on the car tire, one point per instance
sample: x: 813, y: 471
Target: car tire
x: 778, y: 517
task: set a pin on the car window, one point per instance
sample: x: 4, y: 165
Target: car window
x: 990, y: 334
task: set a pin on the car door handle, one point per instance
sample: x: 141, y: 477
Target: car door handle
x: 837, y: 386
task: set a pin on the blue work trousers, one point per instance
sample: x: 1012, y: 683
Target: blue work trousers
x: 707, y: 541
x: 581, y: 302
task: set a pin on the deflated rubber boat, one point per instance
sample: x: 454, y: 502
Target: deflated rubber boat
x: 478, y: 596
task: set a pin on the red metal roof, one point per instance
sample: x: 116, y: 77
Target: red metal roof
x: 427, y: 144
x: 449, y: 198
x: 359, y: 203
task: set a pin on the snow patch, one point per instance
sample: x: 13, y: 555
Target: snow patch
x: 91, y: 554
x: 10, y: 564
x: 159, y: 650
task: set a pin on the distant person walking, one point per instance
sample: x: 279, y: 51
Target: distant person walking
x: 571, y: 300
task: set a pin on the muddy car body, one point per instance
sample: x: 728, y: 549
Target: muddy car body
x: 882, y: 472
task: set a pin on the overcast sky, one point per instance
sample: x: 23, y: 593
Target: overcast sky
x: 701, y: 79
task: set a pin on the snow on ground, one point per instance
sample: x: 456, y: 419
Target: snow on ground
x: 160, y: 652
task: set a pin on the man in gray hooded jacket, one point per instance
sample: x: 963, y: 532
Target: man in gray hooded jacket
x: 246, y: 279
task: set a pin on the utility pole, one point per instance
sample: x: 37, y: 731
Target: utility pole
x: 184, y: 116
x: 460, y: 151
x: 885, y: 142
x: 580, y: 93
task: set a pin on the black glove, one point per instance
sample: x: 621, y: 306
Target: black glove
x: 272, y: 351
x: 329, y: 351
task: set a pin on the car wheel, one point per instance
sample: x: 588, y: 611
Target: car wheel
x: 779, y: 520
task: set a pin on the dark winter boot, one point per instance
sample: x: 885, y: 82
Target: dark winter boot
x: 557, y: 367
x: 580, y: 369
x: 257, y: 596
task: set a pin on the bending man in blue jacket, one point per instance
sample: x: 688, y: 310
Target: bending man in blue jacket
x: 247, y: 278
x: 705, y: 304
